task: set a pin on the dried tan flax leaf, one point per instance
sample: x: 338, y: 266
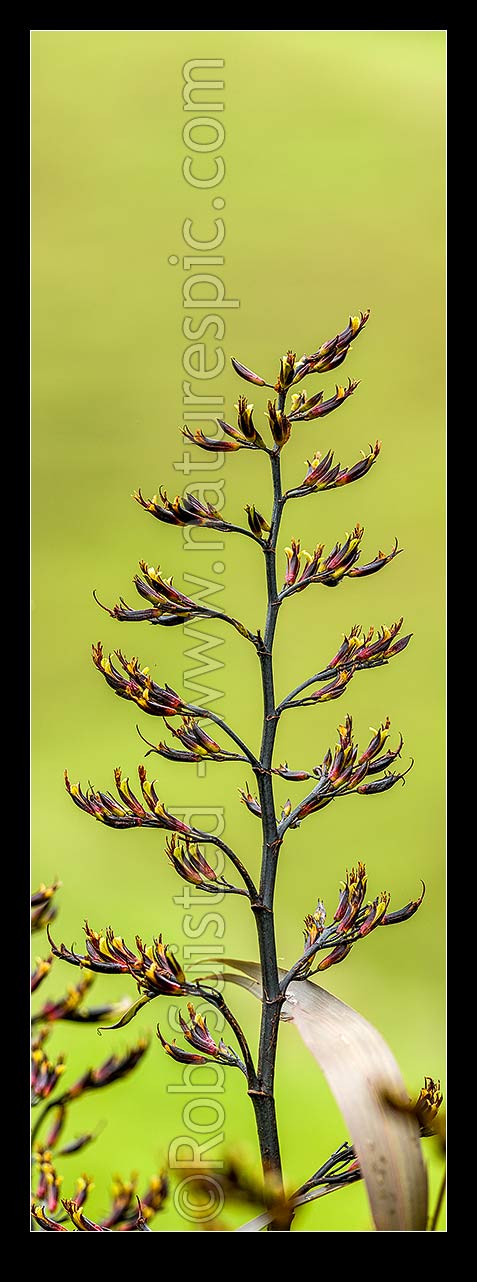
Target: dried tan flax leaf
x: 361, y: 1071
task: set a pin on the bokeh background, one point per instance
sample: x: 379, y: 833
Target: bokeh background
x: 334, y: 201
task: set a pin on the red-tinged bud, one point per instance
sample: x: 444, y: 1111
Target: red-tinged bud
x: 53, y: 1185
x: 343, y: 901
x: 346, y: 652
x: 337, y: 955
x: 335, y: 770
x: 316, y: 802
x: 403, y: 914
x: 382, y: 648
x: 357, y: 882
x: 375, y: 913
x: 248, y: 374
x: 293, y: 562
x: 320, y: 475
x: 256, y: 521
x: 48, y: 1225
x: 376, y: 743
x: 334, y: 688
x: 250, y: 802
x: 400, y: 645
x: 359, y: 774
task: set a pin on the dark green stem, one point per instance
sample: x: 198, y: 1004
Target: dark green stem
x: 272, y: 999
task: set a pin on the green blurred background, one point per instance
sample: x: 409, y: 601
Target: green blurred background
x: 334, y: 202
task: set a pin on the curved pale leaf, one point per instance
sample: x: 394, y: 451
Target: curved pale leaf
x: 361, y: 1072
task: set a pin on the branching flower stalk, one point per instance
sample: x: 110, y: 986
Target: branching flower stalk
x: 346, y: 770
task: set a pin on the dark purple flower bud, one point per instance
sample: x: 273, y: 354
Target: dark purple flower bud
x: 250, y: 802
x: 321, y: 408
x: 256, y: 521
x: 378, y: 564
x: 192, y: 866
x: 337, y: 955
x: 280, y: 424
x: 185, y: 511
x: 48, y: 1225
x: 333, y: 352
x: 379, y: 785
x: 291, y: 775
x: 375, y: 913
x: 356, y: 882
x: 216, y: 444
x: 403, y: 914
x: 334, y: 688
x: 354, y: 473
x: 248, y: 374
x: 42, y: 908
